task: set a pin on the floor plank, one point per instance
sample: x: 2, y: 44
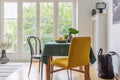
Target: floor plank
x: 22, y: 74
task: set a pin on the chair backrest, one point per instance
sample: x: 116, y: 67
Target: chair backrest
x: 79, y: 52
x: 34, y: 44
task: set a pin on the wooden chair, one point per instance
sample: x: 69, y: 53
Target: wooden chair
x: 35, y: 49
x: 79, y: 51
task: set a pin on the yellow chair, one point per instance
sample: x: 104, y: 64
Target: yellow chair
x: 78, y: 56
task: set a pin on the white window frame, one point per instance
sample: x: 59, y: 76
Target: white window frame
x: 20, y: 55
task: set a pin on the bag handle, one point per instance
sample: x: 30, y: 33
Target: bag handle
x: 100, y: 51
x: 112, y: 53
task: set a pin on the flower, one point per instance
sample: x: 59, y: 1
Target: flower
x: 5, y: 45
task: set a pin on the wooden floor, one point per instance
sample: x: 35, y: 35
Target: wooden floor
x: 21, y: 74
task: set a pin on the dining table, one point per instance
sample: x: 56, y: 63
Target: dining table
x: 58, y: 49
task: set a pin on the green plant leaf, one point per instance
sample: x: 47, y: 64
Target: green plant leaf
x: 73, y: 31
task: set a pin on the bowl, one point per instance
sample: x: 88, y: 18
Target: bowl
x: 62, y: 41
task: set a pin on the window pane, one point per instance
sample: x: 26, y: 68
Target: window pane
x: 46, y: 22
x: 10, y: 10
x: 29, y: 22
x: 65, y: 17
x: 11, y: 29
x: 10, y: 23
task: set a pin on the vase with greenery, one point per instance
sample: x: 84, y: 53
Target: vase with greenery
x: 71, y: 31
x: 6, y: 44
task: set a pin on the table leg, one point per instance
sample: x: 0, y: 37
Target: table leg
x: 48, y: 69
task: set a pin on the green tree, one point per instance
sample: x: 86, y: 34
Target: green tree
x: 29, y: 22
x: 46, y: 22
x: 65, y: 17
x: 11, y: 29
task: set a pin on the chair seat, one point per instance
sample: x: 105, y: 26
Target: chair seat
x: 61, y: 62
x: 37, y: 56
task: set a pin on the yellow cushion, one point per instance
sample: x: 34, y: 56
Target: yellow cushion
x: 61, y: 62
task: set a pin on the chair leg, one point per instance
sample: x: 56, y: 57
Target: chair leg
x: 30, y: 67
x: 87, y: 75
x: 71, y: 74
x: 39, y: 66
x: 68, y: 74
x: 41, y: 70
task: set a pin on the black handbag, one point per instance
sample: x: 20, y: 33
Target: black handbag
x: 105, y: 66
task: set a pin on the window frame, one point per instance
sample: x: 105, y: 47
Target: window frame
x: 19, y: 53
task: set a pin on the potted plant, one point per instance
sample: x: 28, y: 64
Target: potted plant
x: 72, y: 31
x: 6, y: 44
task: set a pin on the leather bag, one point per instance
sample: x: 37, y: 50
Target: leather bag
x: 105, y: 66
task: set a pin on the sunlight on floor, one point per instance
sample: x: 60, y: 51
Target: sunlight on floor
x: 22, y: 74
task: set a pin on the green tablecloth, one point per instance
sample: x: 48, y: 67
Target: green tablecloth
x: 60, y: 49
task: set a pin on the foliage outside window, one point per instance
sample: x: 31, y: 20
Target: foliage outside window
x: 46, y: 22
x: 29, y: 23
x: 10, y: 24
x: 65, y: 17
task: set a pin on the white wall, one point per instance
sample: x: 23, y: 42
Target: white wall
x: 84, y: 22
x: 113, y: 38
x: 85, y: 25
